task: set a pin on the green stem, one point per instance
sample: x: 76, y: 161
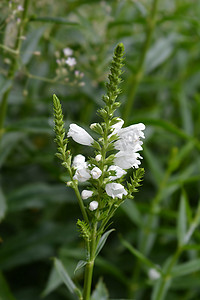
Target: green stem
x: 13, y: 66
x: 90, y: 266
x: 163, y: 286
x: 136, y: 78
x: 80, y: 202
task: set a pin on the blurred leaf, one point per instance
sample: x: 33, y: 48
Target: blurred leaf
x: 182, y: 220
x: 159, y: 52
x: 30, y: 44
x: 5, y: 292
x: 39, y: 195
x: 139, y: 255
x: 100, y: 292
x: 3, y: 205
x: 33, y: 125
x: 8, y: 143
x: 131, y: 210
x: 186, y: 113
x: 102, y: 240
x: 186, y: 268
x: 65, y: 277
x: 154, y: 164
x: 54, y: 281
x: 5, y: 84
x: 56, y: 20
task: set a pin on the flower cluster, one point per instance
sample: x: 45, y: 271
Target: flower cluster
x: 127, y: 143
x: 116, y: 150
x: 65, y: 70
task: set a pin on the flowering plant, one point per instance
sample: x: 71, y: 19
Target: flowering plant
x: 115, y: 151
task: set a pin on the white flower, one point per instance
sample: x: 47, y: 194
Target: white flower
x: 93, y: 205
x: 119, y: 172
x: 20, y: 8
x: 129, y: 138
x: 79, y: 161
x: 86, y: 194
x: 98, y: 157
x: 82, y: 174
x: 96, y: 173
x: 126, y: 160
x: 67, y: 51
x: 79, y: 135
x: 71, y: 61
x: 117, y: 126
x: 153, y: 274
x: 115, y: 190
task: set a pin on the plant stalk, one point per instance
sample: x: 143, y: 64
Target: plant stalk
x: 135, y: 79
x: 13, y: 66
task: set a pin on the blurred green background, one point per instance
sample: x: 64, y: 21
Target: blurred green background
x: 161, y: 88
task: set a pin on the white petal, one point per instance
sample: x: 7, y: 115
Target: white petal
x: 93, y: 205
x: 79, y: 135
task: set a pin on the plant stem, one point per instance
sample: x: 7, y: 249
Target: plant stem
x: 136, y: 78
x: 80, y: 202
x: 13, y: 66
x: 90, y: 266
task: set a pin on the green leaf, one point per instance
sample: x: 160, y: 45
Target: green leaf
x: 3, y: 205
x: 5, y: 292
x: 182, y: 220
x: 139, y: 255
x: 65, y: 277
x: 100, y: 292
x: 103, y: 240
x: 80, y: 265
x: 155, y: 165
x: 186, y: 268
x: 54, y: 281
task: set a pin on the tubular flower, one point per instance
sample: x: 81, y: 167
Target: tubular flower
x: 119, y: 172
x: 126, y: 160
x: 79, y: 161
x: 79, y: 135
x: 82, y: 174
x: 96, y: 173
x: 115, y: 190
x: 93, y: 205
x: 86, y: 194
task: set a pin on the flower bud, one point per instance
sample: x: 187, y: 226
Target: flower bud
x: 93, y: 205
x: 96, y: 173
x: 86, y: 194
x: 98, y: 157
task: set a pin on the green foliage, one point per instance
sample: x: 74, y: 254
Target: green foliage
x: 84, y: 229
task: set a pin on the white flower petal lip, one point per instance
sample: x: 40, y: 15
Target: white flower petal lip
x: 115, y: 190
x: 96, y: 173
x: 129, y: 138
x: 93, y: 205
x: 79, y: 135
x: 79, y: 161
x: 127, y: 160
x: 119, y: 172
x: 86, y: 194
x: 117, y: 127
x: 82, y: 174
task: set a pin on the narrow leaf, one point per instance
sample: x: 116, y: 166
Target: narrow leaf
x: 182, y: 220
x: 186, y: 268
x: 5, y: 293
x: 131, y: 210
x: 64, y: 276
x: 80, y: 265
x: 3, y: 205
x: 103, y: 240
x: 100, y: 292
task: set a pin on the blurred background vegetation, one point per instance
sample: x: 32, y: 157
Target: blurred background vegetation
x: 161, y: 88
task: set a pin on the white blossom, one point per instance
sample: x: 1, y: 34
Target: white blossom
x: 79, y: 161
x: 71, y: 61
x: 93, y: 205
x: 129, y: 138
x: 67, y: 51
x: 86, y: 194
x: 79, y: 135
x: 20, y: 8
x: 153, y: 274
x: 82, y: 174
x: 96, y: 173
x: 126, y: 160
x: 117, y: 126
x: 98, y: 157
x: 119, y: 172
x: 115, y: 190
